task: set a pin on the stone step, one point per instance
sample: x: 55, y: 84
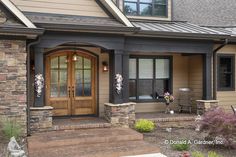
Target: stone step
x: 108, y: 149
x: 81, y: 137
x: 81, y: 126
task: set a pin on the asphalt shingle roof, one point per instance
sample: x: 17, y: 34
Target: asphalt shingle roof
x: 72, y: 20
x: 205, y: 12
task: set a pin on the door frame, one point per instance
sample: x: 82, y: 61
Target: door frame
x: 96, y: 81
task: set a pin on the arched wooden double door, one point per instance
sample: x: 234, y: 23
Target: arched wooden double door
x: 71, y: 83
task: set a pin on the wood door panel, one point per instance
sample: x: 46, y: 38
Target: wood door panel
x: 83, y: 111
x: 83, y: 104
x: 59, y: 104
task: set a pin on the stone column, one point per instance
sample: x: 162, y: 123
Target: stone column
x: 13, y: 81
x: 120, y: 115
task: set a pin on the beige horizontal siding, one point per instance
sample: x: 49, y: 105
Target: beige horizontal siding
x: 227, y: 98
x: 68, y: 7
x: 196, y: 77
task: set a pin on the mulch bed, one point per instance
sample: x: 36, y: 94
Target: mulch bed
x: 160, y: 138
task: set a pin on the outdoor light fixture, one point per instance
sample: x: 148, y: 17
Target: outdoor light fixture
x: 105, y: 66
x: 74, y: 57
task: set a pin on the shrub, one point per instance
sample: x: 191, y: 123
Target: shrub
x: 210, y: 154
x: 219, y: 124
x: 10, y: 128
x: 144, y: 125
x: 213, y: 154
x: 197, y: 154
x: 181, y: 146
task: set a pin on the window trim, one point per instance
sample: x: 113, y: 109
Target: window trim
x: 153, y: 79
x: 232, y: 88
x: 138, y: 9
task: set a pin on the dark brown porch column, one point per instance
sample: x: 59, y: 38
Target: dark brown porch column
x: 39, y: 69
x: 207, y: 76
x: 119, y: 65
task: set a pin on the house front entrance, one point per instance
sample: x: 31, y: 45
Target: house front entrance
x: 71, y: 82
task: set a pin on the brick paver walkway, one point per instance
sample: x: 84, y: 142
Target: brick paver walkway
x: 101, y: 142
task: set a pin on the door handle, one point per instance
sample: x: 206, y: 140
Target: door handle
x: 69, y: 91
x: 73, y: 91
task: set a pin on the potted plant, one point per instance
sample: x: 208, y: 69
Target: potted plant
x: 168, y: 99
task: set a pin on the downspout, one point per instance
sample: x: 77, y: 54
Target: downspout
x: 215, y: 68
x: 28, y: 81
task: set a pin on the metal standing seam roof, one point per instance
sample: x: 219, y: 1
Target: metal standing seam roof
x: 177, y: 27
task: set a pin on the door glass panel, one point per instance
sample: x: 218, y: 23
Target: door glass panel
x: 54, y: 63
x: 63, y: 76
x: 87, y: 63
x: 54, y: 90
x: 87, y: 76
x: 63, y: 83
x: 79, y: 62
x: 79, y: 90
x: 63, y: 90
x: 54, y: 76
x: 63, y: 62
x: 58, y: 77
x: 79, y: 76
x: 79, y: 82
x: 83, y: 77
x: 87, y: 89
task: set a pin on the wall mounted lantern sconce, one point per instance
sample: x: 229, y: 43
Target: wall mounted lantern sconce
x: 74, y: 57
x: 105, y: 66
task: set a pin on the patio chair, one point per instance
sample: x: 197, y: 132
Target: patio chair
x: 185, y: 100
x: 234, y: 109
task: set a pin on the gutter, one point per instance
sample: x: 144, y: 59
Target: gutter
x: 215, y: 67
x: 28, y: 81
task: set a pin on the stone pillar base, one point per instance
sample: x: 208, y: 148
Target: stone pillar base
x: 204, y: 105
x: 41, y: 119
x: 120, y: 115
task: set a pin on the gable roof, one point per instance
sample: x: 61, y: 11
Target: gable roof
x: 12, y: 8
x: 116, y: 12
x: 14, y: 24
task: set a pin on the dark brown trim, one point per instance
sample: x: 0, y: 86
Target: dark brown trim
x: 232, y: 88
x: 30, y: 33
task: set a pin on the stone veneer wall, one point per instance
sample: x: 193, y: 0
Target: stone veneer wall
x: 13, y: 81
x: 120, y: 115
x: 40, y: 119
